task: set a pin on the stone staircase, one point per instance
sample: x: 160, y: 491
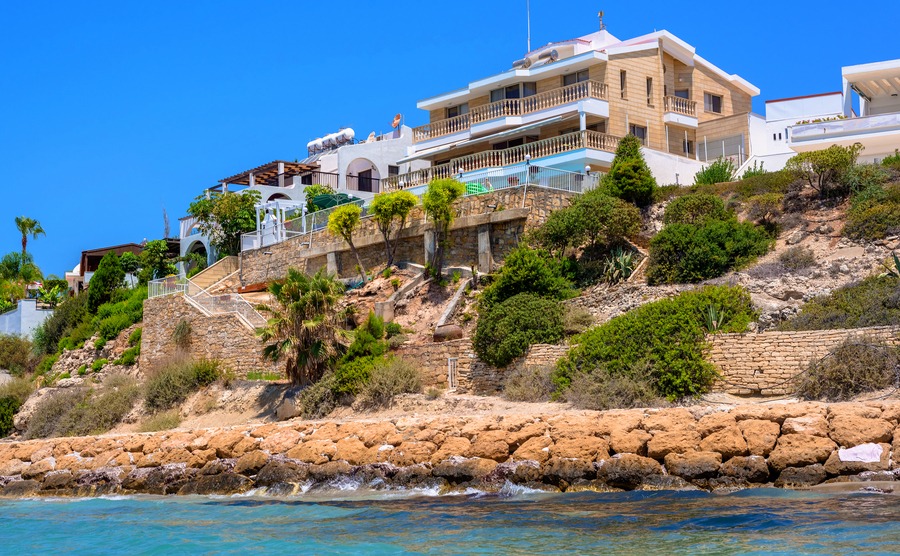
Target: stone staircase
x: 220, y: 271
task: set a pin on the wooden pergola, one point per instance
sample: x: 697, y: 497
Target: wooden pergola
x: 272, y: 174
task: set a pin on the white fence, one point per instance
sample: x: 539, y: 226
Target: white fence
x: 166, y: 286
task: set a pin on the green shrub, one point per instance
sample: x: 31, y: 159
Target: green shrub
x: 765, y: 208
x: 98, y: 364
x: 682, y: 253
x: 696, y: 209
x: 754, y: 170
x: 825, y: 170
x: 720, y: 171
x: 8, y: 409
x: 350, y: 376
x: 17, y: 355
x: 506, y: 330
x: 873, y: 302
x: 393, y: 329
x: 855, y: 367
x: 433, y: 393
x: 46, y: 364
x: 18, y: 388
x: 163, y: 421
x: 769, y: 182
x: 874, y: 213
x: 668, y: 335
x: 318, y: 400
x: 863, y: 176
x: 129, y: 356
x: 389, y: 378
x: 173, y: 383
x: 892, y: 160
x: 125, y: 309
x: 527, y: 270
x: 135, y: 337
x: 368, y: 340
x: 576, y: 320
x: 67, y: 315
x: 81, y: 411
x: 797, y: 258
x: 600, y: 390
x: 64, y: 376
x: 529, y: 384
x: 82, y: 370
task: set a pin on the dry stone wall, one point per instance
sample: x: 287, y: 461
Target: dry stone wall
x: 432, y: 361
x: 766, y: 363
x: 222, y: 337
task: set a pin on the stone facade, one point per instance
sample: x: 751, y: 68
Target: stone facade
x: 222, y: 337
x: 505, y: 215
x: 432, y: 360
x: 766, y: 363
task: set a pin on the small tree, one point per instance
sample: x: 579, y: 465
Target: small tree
x: 388, y: 208
x: 629, y: 177
x: 130, y: 265
x: 155, y: 261
x: 223, y: 217
x: 823, y: 170
x: 721, y: 170
x: 342, y: 223
x: 303, y: 325
x: 605, y: 219
x: 28, y: 227
x: 107, y: 279
x: 438, y: 204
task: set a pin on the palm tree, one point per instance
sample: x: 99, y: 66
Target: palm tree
x: 28, y: 226
x: 303, y: 327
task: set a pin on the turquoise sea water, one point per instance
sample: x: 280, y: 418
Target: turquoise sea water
x: 762, y: 521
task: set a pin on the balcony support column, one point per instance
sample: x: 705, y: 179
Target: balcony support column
x: 582, y: 120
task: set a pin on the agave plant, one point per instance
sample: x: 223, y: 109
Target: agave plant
x: 618, y: 266
x: 715, y: 318
x: 895, y: 272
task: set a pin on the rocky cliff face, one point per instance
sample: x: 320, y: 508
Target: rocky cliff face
x: 796, y: 444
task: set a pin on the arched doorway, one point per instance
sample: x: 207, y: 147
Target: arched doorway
x: 363, y: 175
x: 197, y: 257
x: 278, y: 197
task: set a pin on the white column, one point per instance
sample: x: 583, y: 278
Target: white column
x: 281, y: 174
x: 848, y: 98
x: 252, y: 179
x: 582, y: 121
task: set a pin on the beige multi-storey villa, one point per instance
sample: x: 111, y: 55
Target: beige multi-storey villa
x: 567, y: 104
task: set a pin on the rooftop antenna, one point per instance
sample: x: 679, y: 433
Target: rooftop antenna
x: 600, y: 16
x: 528, y: 22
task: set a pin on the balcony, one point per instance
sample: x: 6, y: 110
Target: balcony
x: 680, y: 111
x: 553, y: 146
x: 879, y: 133
x: 517, y: 108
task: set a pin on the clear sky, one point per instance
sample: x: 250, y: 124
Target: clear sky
x: 112, y: 111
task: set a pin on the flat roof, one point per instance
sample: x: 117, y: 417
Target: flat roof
x: 803, y: 97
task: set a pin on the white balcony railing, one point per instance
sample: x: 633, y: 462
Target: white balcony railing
x: 846, y: 127
x: 512, y: 107
x: 680, y: 106
x: 505, y: 157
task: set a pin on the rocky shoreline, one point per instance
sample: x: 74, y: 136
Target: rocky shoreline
x: 785, y: 445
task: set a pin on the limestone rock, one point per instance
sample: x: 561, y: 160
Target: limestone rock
x: 313, y: 451
x: 411, y: 453
x: 280, y: 442
x: 630, y: 442
x: 852, y: 430
x: 587, y: 448
x: 18, y: 489
x: 558, y: 469
x: 694, y: 465
x: 330, y: 470
x: 814, y: 425
x: 458, y: 469
x: 452, y: 446
x: 729, y: 442
x: 752, y: 469
x: 760, y: 435
x: 628, y: 470
x: 714, y: 422
x: 669, y: 420
x: 224, y: 483
x: 798, y: 450
x: 490, y: 445
x: 835, y: 466
x: 353, y: 451
x: 281, y: 472
x: 447, y: 332
x: 678, y: 441
x: 250, y: 463
x: 801, y: 476
x: 534, y: 449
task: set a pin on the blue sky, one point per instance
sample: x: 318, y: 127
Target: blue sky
x: 112, y: 111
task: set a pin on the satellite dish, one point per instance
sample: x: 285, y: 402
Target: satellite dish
x: 396, y: 121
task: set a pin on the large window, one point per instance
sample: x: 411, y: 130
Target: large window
x: 639, y: 131
x: 573, y: 78
x: 712, y: 103
x: 519, y: 90
x: 455, y: 111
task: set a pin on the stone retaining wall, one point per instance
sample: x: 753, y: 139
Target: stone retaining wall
x: 765, y: 363
x: 501, y: 215
x: 432, y: 361
x: 222, y: 337
x: 798, y: 444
